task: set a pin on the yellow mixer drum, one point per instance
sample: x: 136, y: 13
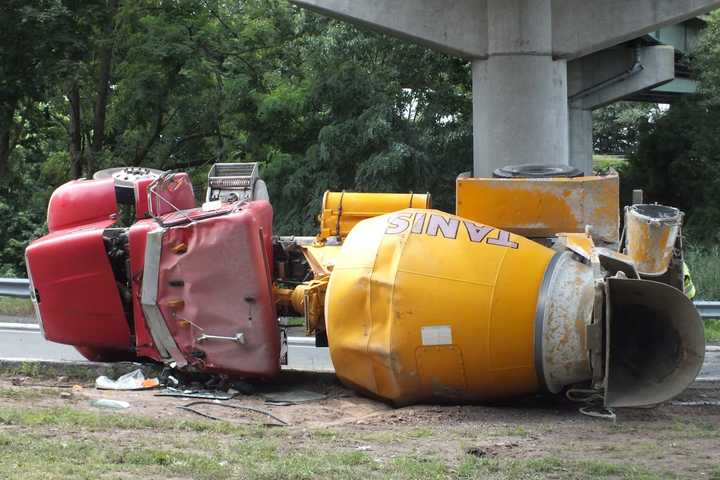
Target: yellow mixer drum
x: 424, y: 305
x: 341, y: 211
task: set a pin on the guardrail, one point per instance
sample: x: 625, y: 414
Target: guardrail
x: 708, y: 309
x: 20, y: 288
x: 15, y: 287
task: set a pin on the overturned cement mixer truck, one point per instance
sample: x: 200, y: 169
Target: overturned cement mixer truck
x: 529, y: 287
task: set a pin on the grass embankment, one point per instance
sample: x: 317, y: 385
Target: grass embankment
x: 712, y: 331
x: 704, y: 266
x: 16, y: 307
x: 603, y: 163
x: 64, y: 442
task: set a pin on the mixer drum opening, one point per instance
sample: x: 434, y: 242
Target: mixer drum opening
x: 655, y: 343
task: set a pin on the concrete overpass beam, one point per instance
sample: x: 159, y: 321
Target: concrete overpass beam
x: 519, y: 27
x: 581, y: 28
x: 611, y: 75
x: 458, y: 27
x: 606, y: 77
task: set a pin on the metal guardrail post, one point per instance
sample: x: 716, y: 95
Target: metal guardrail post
x: 15, y: 287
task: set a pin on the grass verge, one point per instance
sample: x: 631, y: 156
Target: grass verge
x: 704, y: 263
x: 30, y: 456
x: 603, y: 163
x: 16, y: 307
x: 73, y: 372
x: 64, y: 442
x: 712, y: 331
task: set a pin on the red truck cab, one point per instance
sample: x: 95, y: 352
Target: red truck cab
x: 132, y: 269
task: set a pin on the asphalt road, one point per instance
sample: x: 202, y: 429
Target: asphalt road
x: 13, y: 319
x: 711, y: 367
x: 25, y: 342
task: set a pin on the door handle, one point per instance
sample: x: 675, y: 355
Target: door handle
x: 239, y: 338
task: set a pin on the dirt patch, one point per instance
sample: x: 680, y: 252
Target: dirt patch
x: 677, y: 438
x: 338, y: 405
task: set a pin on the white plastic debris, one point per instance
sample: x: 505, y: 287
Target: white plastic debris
x: 110, y: 404
x: 134, y: 380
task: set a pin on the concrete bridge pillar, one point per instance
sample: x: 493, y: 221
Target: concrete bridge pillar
x: 581, y: 139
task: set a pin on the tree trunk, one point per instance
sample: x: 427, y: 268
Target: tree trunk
x: 4, y: 151
x: 142, y: 151
x: 75, y: 145
x: 6, y: 126
x: 103, y: 86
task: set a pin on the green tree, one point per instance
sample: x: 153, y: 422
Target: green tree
x: 387, y: 115
x: 616, y: 127
x: 38, y: 39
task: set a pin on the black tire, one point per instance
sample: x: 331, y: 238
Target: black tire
x: 321, y: 339
x: 537, y: 171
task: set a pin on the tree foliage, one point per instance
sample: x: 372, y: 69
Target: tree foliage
x: 186, y: 83
x: 616, y: 127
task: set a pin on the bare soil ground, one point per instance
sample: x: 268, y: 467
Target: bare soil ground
x: 348, y: 436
